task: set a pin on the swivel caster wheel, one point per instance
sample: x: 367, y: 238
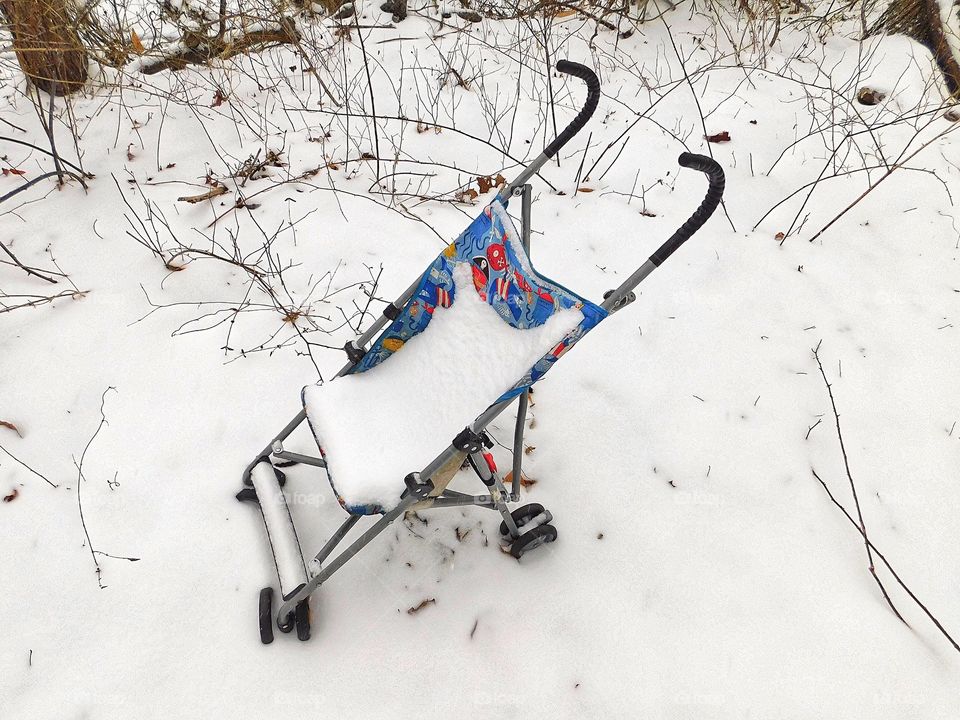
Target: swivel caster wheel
x: 540, y: 535
x: 524, y: 514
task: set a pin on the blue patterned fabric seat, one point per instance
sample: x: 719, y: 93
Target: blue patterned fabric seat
x: 504, y: 277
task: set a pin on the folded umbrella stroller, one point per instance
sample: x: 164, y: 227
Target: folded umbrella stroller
x: 479, y: 326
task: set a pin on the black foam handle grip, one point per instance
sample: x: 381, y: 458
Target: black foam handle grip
x: 593, y: 97
x: 711, y: 168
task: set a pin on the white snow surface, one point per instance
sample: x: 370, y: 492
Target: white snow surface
x: 700, y: 571
x: 377, y: 426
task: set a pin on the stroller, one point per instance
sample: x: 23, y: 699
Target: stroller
x: 479, y: 325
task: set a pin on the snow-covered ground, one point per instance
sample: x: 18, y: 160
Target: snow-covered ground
x: 701, y: 570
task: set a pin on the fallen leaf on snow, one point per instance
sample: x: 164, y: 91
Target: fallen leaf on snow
x: 219, y: 98
x: 869, y: 96
x: 11, y: 426
x: 421, y: 606
x: 12, y: 496
x: 719, y: 137
x: 466, y: 196
x: 488, y: 182
x: 524, y: 480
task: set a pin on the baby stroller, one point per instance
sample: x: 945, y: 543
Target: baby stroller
x: 479, y: 325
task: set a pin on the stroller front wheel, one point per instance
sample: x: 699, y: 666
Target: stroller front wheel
x: 531, y: 539
x: 524, y: 514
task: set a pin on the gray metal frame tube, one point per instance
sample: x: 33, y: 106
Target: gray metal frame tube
x: 336, y: 538
x: 610, y: 304
x: 281, y: 436
x: 341, y: 559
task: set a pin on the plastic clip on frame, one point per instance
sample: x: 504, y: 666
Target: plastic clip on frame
x: 525, y: 527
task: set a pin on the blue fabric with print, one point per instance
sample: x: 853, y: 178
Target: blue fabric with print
x: 504, y: 277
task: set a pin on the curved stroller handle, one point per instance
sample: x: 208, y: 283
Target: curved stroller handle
x: 717, y: 181
x: 576, y: 125
x: 616, y: 299
x: 584, y: 73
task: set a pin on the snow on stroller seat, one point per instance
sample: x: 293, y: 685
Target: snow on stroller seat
x: 463, y: 343
x: 481, y: 317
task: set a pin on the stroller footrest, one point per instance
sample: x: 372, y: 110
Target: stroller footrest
x: 280, y: 529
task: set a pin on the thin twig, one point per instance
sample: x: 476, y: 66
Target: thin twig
x: 28, y: 270
x: 888, y: 565
x: 80, y: 481
x: 853, y: 488
x: 887, y: 174
x: 21, y: 462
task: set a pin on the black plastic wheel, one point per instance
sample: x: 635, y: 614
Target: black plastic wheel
x: 266, y: 615
x: 521, y: 516
x: 540, y: 535
x: 303, y: 620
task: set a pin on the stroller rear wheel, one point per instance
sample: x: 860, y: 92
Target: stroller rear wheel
x: 303, y: 619
x: 540, y: 535
x: 266, y: 615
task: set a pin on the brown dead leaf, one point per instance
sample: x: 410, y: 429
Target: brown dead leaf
x: 13, y: 171
x: 12, y: 496
x: 367, y: 156
x: 136, y: 43
x: 219, y: 98
x: 421, y: 606
x: 525, y: 481
x: 584, y: 189
x: 215, y: 191
x: 779, y: 237
x: 488, y: 182
x: 720, y: 137
x: 466, y: 196
x: 529, y: 449
x: 11, y: 426
x: 869, y: 96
